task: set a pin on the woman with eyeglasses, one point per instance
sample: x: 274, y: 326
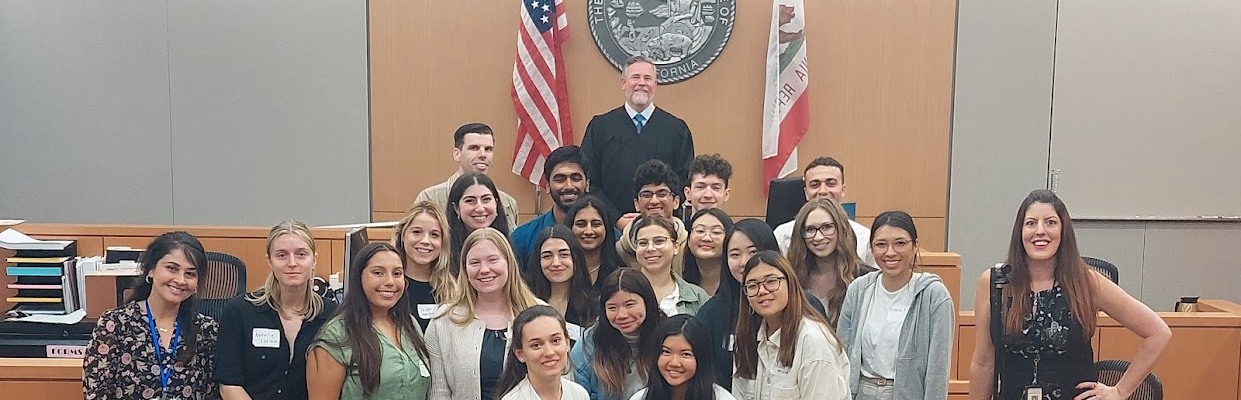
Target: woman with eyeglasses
x: 825, y: 257
x: 746, y: 238
x: 655, y: 243
x: 592, y: 223
x: 611, y: 359
x: 896, y: 314
x: 785, y: 349
x: 704, y: 255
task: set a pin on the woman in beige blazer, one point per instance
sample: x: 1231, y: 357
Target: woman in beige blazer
x: 468, y: 338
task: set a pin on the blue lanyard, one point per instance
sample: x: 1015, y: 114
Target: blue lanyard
x: 165, y: 366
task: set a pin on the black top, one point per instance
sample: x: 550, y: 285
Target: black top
x: 615, y: 149
x: 421, y: 301
x: 491, y: 361
x: 720, y: 314
x: 1054, y: 338
x: 247, y: 357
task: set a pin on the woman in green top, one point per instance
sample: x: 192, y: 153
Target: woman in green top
x: 371, y: 349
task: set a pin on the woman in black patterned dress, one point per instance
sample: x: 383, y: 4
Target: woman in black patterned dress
x: 1053, y: 298
x: 156, y: 346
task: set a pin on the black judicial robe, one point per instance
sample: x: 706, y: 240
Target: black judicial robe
x: 615, y: 149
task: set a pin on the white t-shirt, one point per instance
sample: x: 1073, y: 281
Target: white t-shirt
x: 720, y: 394
x: 669, y: 303
x: 569, y: 391
x: 784, y: 235
x: 881, y: 332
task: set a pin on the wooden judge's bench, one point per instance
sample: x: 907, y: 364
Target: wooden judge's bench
x: 1203, y: 360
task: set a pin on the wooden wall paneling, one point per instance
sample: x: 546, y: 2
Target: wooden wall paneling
x: 323, y: 258
x: 41, y: 389
x: 1198, y: 363
x: 881, y: 97
x: 5, y: 292
x: 338, y: 257
x: 964, y: 351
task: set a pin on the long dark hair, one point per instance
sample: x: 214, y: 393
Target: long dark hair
x: 609, y: 260
x: 797, y: 308
x: 514, y: 369
x: 691, y: 272
x: 764, y: 239
x: 1072, y: 273
x: 193, y: 250
x: 581, y: 292
x: 844, y: 258
x: 701, y: 386
x: 612, y: 351
x: 355, y: 311
x: 456, y: 227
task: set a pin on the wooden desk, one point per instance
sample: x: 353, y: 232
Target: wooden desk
x: 249, y: 243
x: 40, y: 378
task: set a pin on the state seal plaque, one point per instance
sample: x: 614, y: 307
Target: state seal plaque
x: 682, y: 37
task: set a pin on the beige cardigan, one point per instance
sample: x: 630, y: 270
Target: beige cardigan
x: 455, y: 351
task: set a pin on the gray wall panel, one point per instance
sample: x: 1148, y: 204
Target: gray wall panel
x: 1001, y: 125
x: 84, y: 112
x: 269, y: 112
x: 1119, y: 243
x: 1194, y: 259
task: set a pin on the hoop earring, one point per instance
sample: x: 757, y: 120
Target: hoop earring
x: 149, y: 279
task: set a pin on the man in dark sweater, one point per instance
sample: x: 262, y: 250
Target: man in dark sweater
x: 618, y: 141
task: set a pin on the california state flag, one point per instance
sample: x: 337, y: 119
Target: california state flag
x: 786, y: 103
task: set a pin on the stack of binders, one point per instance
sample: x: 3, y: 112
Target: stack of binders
x: 47, y: 278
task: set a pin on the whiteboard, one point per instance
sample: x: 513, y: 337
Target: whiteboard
x: 1146, y: 108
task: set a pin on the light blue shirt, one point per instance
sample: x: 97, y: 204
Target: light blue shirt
x: 646, y: 114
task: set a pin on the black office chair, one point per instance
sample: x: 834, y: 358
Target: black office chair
x: 785, y: 197
x: 224, y: 279
x: 1106, y: 268
x: 1110, y: 372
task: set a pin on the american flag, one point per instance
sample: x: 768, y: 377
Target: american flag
x: 540, y: 90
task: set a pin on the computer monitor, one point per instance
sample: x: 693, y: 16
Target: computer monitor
x: 355, y: 240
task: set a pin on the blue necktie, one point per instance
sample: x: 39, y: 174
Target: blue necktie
x: 638, y: 121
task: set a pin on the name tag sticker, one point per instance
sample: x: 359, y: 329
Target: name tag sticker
x: 264, y: 337
x: 422, y: 370
x: 427, y: 311
x: 575, y: 331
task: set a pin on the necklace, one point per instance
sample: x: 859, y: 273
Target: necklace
x: 162, y: 330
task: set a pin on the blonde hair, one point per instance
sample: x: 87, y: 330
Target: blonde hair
x: 270, y: 293
x: 516, y: 293
x: 442, y: 281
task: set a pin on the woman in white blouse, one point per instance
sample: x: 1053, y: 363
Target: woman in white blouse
x: 785, y: 349
x: 535, y: 368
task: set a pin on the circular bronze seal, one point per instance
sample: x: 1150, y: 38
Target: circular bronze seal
x: 682, y: 37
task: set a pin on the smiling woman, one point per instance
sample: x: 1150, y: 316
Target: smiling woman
x: 473, y: 203
x: 468, y: 337
x: 534, y: 369
x: 157, y: 330
x: 371, y: 348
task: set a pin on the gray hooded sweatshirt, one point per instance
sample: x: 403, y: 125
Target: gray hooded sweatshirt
x: 924, y: 355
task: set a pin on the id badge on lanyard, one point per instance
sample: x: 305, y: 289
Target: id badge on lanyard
x: 165, y: 363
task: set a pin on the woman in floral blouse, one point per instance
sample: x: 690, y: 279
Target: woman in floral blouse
x: 156, y: 346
